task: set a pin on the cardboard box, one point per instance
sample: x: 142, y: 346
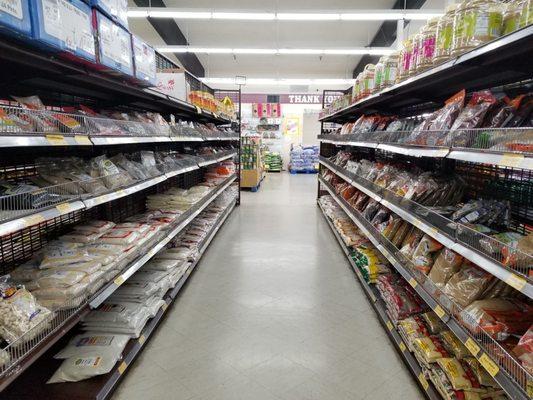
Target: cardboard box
x: 64, y: 26
x: 117, y: 10
x: 250, y: 177
x: 173, y: 83
x: 114, y: 45
x: 15, y: 18
x: 144, y: 62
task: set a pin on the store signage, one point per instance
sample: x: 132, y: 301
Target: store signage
x: 296, y: 98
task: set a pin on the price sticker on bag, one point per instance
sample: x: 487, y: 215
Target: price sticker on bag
x: 63, y: 208
x: 472, y: 346
x: 491, y: 367
x: 56, y: 140
x: 515, y: 281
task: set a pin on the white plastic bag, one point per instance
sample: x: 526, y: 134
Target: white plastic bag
x: 94, y: 344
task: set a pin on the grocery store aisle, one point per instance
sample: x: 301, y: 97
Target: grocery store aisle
x: 272, y: 312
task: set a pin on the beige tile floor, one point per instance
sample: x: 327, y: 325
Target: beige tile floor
x: 272, y: 312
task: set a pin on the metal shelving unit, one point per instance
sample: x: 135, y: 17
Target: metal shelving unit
x: 510, y: 375
x: 102, y: 387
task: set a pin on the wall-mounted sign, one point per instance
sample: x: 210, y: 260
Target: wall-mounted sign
x: 295, y: 98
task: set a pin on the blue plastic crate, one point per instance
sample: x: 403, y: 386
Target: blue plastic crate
x: 114, y: 45
x: 15, y: 18
x: 144, y: 62
x: 64, y: 26
x: 117, y: 10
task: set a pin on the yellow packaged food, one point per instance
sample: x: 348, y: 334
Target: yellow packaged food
x: 454, y: 345
x: 429, y: 348
x: 455, y: 373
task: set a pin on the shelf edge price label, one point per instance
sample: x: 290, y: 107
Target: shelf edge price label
x: 516, y: 281
x: 439, y: 311
x: 390, y: 326
x: 491, y: 367
x: 35, y: 219
x: 63, y: 208
x: 142, y: 339
x: 511, y: 159
x: 83, y: 140
x: 472, y: 346
x: 164, y: 306
x: 402, y: 347
x: 198, y: 110
x: 119, y: 281
x: 56, y: 140
x: 423, y: 381
x: 413, y: 282
x: 122, y: 367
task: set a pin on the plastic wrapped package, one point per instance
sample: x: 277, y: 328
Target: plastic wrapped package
x: 120, y: 237
x: 95, y: 226
x: 56, y: 256
x: 113, y: 177
x: 499, y: 317
x: 134, y: 169
x: 522, y: 256
x: 455, y: 373
x: 433, y: 322
x: 163, y: 265
x: 429, y: 349
x: 92, y: 343
x: 454, y: 345
x: 79, y: 368
x: 423, y: 254
x: 412, y: 328
x: 467, y: 284
x: 503, y: 239
x: 524, y: 350
x: 134, y: 292
x: 56, y: 278
x: 20, y: 313
x: 446, y: 265
x: 445, y: 388
x: 410, y: 243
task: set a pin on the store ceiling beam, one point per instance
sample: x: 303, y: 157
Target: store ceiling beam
x: 172, y: 35
x: 386, y: 34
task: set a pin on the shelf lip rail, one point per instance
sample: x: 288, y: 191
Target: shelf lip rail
x: 453, y: 235
x: 478, y: 343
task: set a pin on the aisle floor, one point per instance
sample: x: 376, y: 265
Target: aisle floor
x: 272, y: 312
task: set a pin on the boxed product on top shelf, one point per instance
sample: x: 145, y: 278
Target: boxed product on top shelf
x: 144, y: 62
x: 115, y: 9
x: 114, y: 46
x: 486, y: 121
x: 64, y: 26
x: 15, y: 19
x: 304, y: 158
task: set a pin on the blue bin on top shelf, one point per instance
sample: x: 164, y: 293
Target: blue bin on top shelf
x: 117, y: 10
x: 64, y: 26
x: 15, y: 18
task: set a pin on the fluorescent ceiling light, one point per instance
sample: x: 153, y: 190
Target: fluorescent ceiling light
x: 281, y: 81
x: 367, y: 15
x: 307, y: 17
x: 244, y: 16
x: 210, y: 50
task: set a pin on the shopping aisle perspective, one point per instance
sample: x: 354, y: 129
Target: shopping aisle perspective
x: 272, y: 312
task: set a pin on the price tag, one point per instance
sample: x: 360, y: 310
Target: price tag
x: 390, y: 326
x: 63, y: 208
x: 402, y: 347
x: 164, y: 307
x: 122, y: 367
x: 121, y: 193
x: 56, y: 140
x: 83, y: 140
x: 472, y: 346
x: 119, y: 281
x: 439, y: 311
x: 142, y: 339
x: 491, y: 367
x: 413, y: 282
x: 215, y: 115
x: 35, y: 219
x: 372, y: 297
x: 423, y: 381
x: 516, y: 281
x: 511, y: 160
x: 198, y: 110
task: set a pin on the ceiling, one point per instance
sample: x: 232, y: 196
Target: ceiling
x: 273, y: 34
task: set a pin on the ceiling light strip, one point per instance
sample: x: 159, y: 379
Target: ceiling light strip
x: 280, y: 81
x: 368, y: 15
x: 213, y: 50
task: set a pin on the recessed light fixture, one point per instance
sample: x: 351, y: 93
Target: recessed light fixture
x: 367, y: 15
x: 215, y: 50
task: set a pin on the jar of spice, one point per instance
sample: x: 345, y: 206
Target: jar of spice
x: 444, y: 36
x: 405, y: 59
x: 367, y: 79
x: 511, y: 18
x: 390, y: 70
x: 458, y: 29
x: 378, y: 74
x: 427, y: 48
x: 526, y: 13
x: 417, y: 47
x: 482, y: 23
